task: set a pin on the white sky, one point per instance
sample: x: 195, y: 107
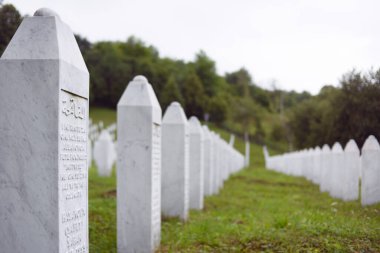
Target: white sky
x: 301, y: 44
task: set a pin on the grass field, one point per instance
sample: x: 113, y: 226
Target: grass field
x: 256, y: 211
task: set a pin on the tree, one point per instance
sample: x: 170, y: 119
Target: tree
x: 218, y: 109
x: 10, y: 19
x: 241, y: 81
x: 170, y: 93
x: 206, y: 70
x: 194, y: 95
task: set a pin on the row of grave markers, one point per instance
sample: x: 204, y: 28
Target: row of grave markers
x: 44, y: 147
x: 343, y: 173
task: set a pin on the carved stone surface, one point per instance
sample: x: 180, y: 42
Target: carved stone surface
x: 196, y: 163
x: 175, y: 163
x: 138, y: 168
x: 44, y: 86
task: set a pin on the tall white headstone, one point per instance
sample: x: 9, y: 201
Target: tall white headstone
x: 196, y: 163
x: 104, y: 154
x: 208, y: 160
x: 370, y: 164
x: 351, y: 167
x: 44, y: 89
x: 138, y: 168
x: 175, y: 163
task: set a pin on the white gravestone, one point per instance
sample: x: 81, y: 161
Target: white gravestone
x: 44, y: 89
x: 208, y: 160
x: 351, y: 166
x: 325, y: 168
x: 175, y: 163
x: 104, y: 154
x: 138, y: 168
x: 370, y: 164
x: 337, y: 171
x: 196, y: 163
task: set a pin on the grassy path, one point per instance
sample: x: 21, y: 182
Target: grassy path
x: 256, y: 211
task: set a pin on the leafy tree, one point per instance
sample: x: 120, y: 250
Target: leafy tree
x: 10, y: 19
x: 206, y: 70
x: 194, y: 95
x: 218, y: 109
x: 170, y: 93
x: 241, y: 81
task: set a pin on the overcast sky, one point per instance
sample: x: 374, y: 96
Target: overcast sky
x: 299, y: 44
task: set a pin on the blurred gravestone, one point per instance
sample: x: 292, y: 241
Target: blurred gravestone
x: 104, y: 154
x: 351, y: 176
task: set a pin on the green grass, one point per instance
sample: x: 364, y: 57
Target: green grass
x: 256, y: 211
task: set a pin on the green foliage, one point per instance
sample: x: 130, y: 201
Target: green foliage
x: 240, y: 81
x: 256, y: 211
x: 218, y: 109
x: 10, y: 19
x: 206, y: 71
x: 170, y: 93
x: 194, y: 95
x: 339, y: 114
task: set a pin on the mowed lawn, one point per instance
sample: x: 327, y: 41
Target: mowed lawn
x: 256, y: 211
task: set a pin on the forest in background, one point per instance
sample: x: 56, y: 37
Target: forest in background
x: 281, y: 119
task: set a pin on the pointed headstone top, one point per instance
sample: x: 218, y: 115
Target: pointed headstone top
x: 105, y: 136
x: 45, y: 37
x: 337, y: 148
x: 325, y: 148
x: 371, y: 144
x: 139, y: 92
x: 45, y: 12
x: 195, y: 126
x: 351, y: 147
x: 174, y: 114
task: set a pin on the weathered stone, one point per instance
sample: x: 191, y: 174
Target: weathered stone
x: 44, y: 89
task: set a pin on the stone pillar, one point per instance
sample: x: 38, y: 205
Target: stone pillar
x: 232, y: 140
x: 138, y: 168
x: 336, y: 174
x: 175, y: 163
x: 325, y: 168
x: 196, y: 163
x: 370, y: 164
x: 44, y: 89
x: 247, y: 151
x: 208, y: 160
x: 104, y: 154
x: 351, y: 167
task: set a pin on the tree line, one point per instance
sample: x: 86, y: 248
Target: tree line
x: 233, y: 100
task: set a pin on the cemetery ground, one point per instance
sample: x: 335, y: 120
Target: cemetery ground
x: 257, y: 210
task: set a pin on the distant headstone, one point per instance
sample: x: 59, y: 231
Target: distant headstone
x: 104, y: 154
x: 325, y: 168
x: 44, y: 90
x: 196, y: 163
x: 138, y: 168
x: 208, y: 162
x: 175, y: 163
x: 247, y: 153
x: 351, y: 168
x: 337, y: 171
x: 232, y: 140
x: 370, y: 164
